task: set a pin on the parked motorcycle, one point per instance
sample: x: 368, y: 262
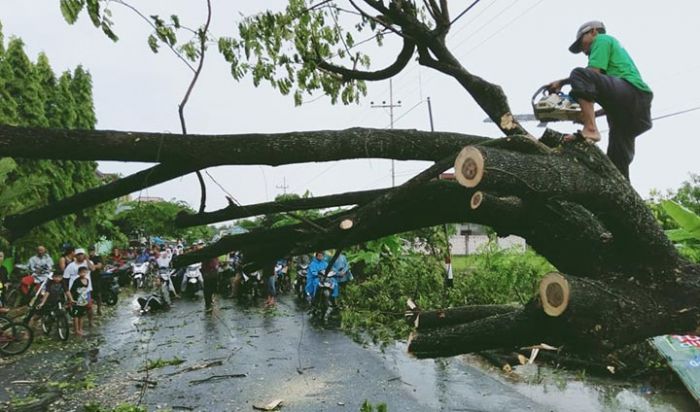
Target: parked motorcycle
x: 323, y: 307
x: 300, y: 281
x: 192, y: 282
x: 109, y: 285
x: 139, y: 271
x: 252, y: 285
x: 29, y: 284
x: 282, y: 281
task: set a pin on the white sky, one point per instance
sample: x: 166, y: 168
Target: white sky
x: 519, y: 44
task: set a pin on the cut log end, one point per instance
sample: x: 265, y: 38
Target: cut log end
x: 554, y: 294
x: 346, y: 224
x: 469, y: 167
x: 476, y: 200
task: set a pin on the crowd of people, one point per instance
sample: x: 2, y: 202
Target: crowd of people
x: 75, y: 278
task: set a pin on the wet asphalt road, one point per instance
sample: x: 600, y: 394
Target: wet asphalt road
x: 272, y: 347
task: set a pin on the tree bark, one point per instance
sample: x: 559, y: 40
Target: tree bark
x: 240, y: 149
x: 454, y: 316
x: 598, y: 318
x: 238, y: 212
x: 184, y: 154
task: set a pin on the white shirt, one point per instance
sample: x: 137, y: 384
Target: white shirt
x: 71, y: 273
x: 164, y: 259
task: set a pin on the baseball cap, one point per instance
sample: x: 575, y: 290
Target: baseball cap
x: 585, y: 28
x: 79, y: 251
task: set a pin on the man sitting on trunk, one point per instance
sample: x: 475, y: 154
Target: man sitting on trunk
x: 613, y: 81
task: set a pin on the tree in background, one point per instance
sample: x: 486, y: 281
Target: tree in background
x: 156, y: 219
x: 32, y: 95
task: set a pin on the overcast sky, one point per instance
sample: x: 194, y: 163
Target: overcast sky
x: 519, y: 44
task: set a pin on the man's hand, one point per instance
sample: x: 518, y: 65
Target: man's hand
x: 555, y: 86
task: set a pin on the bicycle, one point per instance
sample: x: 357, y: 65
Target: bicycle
x: 15, y: 338
x: 57, y: 316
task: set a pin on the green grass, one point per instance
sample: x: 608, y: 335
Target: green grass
x: 460, y: 264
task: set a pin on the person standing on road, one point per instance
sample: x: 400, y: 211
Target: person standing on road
x: 96, y: 277
x: 80, y: 292
x: 612, y: 80
x: 210, y: 275
x: 72, y: 272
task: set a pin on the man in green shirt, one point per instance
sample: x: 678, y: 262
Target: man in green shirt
x: 612, y: 80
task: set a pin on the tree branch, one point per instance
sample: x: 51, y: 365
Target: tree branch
x: 20, y: 224
x: 242, y: 149
x: 395, y: 68
x: 181, y: 107
x: 237, y: 212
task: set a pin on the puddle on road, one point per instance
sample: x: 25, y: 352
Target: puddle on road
x: 435, y: 383
x: 556, y: 387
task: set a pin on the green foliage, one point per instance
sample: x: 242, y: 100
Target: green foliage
x: 677, y: 212
x: 374, y: 303
x: 687, y: 235
x: 32, y: 96
x: 282, y: 49
x: 161, y: 363
x: 497, y: 276
x: 125, y: 407
x: 165, y: 31
x: 368, y: 407
x: 101, y: 19
x: 156, y: 218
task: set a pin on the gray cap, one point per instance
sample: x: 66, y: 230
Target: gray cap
x: 585, y: 28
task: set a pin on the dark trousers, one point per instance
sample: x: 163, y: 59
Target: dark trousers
x: 211, y: 279
x: 627, y: 108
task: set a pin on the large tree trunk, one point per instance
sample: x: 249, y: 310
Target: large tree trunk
x: 582, y: 315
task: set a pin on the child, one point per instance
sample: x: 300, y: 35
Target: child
x: 80, y: 291
x: 55, y: 293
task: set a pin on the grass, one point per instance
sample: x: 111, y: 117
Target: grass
x: 460, y: 264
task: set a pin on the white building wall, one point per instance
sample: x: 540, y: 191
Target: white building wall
x: 467, y: 245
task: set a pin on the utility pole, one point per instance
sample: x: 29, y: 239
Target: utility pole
x: 390, y: 106
x: 430, y: 115
x: 449, y: 276
x: 284, y: 186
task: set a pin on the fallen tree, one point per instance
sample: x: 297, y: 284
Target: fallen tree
x: 620, y: 279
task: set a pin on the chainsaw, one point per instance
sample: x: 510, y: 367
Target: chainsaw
x: 555, y: 107
x: 551, y: 107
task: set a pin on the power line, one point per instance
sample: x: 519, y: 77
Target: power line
x: 464, y: 12
x: 692, y: 109
x: 504, y: 27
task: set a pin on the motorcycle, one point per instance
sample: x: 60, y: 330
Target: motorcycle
x: 192, y: 282
x: 139, y: 271
x: 109, y: 285
x: 28, y: 287
x: 283, y: 282
x: 251, y: 285
x: 323, y: 306
x: 300, y: 281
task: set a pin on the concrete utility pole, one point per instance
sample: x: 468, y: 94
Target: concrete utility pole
x: 390, y: 106
x: 284, y: 186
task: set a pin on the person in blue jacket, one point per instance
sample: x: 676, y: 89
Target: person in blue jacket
x: 317, y: 264
x: 342, y: 268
